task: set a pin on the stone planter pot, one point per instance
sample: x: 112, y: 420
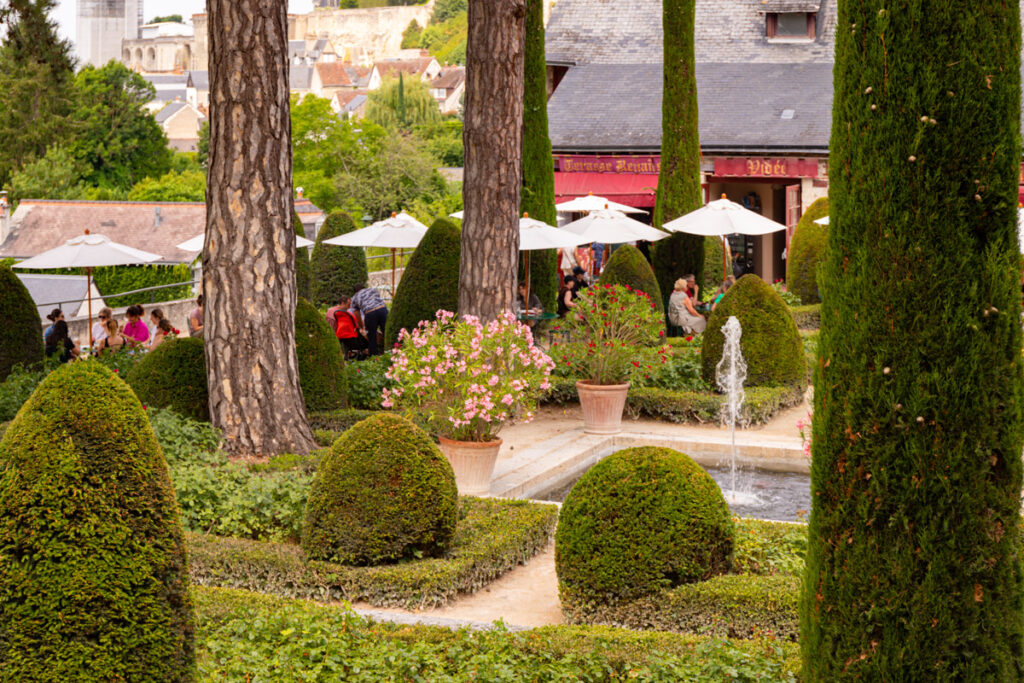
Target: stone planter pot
x: 602, y: 406
x: 473, y: 462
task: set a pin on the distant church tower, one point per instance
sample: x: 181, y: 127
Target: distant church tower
x: 102, y: 25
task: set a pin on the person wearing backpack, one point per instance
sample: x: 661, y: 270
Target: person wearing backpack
x: 346, y: 328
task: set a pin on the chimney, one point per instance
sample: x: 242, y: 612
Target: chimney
x: 298, y: 193
x: 5, y: 216
x: 157, y: 218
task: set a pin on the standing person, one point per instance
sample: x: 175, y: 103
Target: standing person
x: 566, y: 260
x: 60, y: 344
x: 135, y: 331
x: 195, y: 319
x: 584, y: 258
x: 367, y: 301
x: 113, y: 340
x: 54, y: 315
x: 99, y: 328
x: 598, y: 249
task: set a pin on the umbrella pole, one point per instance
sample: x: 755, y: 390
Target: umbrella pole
x: 392, y: 273
x: 725, y: 258
x: 526, y: 302
x: 88, y: 292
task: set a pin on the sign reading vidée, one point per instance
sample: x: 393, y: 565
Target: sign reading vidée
x: 759, y: 167
x: 566, y: 163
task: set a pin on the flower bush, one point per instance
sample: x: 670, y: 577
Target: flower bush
x: 467, y: 378
x: 616, y: 332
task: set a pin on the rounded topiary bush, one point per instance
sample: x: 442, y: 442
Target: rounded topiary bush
x: 806, y: 250
x: 770, y: 341
x: 628, y: 267
x: 336, y: 270
x: 321, y: 361
x: 173, y: 375
x: 430, y: 281
x: 639, y: 521
x: 93, y: 577
x: 21, y: 334
x: 303, y: 273
x: 384, y: 493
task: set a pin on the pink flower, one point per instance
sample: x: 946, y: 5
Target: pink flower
x: 507, y: 399
x: 493, y: 380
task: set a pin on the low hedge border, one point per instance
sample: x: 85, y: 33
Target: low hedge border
x: 492, y: 537
x: 807, y: 317
x: 759, y: 406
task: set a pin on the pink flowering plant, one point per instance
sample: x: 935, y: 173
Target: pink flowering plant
x: 468, y: 378
x: 616, y: 336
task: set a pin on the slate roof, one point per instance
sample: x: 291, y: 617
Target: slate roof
x: 299, y: 77
x: 47, y: 289
x: 169, y: 111
x: 200, y: 80
x: 617, y: 108
x: 613, y: 32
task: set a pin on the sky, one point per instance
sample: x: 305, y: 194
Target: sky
x: 65, y: 13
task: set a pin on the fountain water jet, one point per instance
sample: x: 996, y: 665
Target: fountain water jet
x: 730, y: 374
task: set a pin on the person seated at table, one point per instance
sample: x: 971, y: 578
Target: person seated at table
x: 346, y: 328
x: 567, y: 295
x: 164, y: 329
x: 522, y: 310
x: 728, y: 282
x: 135, y: 331
x: 692, y: 288
x: 113, y: 339
x: 60, y: 344
x: 681, y: 311
x: 55, y: 315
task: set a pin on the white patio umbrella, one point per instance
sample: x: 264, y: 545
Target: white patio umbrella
x: 88, y: 251
x: 822, y: 221
x: 196, y: 243
x: 594, y: 203
x: 535, y: 235
x: 401, y: 231
x: 457, y: 214
x: 611, y: 226
x: 723, y: 217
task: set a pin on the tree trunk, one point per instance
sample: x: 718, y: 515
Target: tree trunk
x: 249, y: 255
x: 492, y: 136
x: 679, y: 190
x: 914, y: 549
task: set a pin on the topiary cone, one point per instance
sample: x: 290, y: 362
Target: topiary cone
x: 628, y: 267
x: 336, y: 270
x: 21, y: 334
x: 93, y: 574
x: 806, y: 251
x: 321, y: 361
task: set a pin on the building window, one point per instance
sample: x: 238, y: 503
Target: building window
x: 790, y: 25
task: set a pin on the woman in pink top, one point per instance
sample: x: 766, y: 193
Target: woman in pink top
x: 135, y: 331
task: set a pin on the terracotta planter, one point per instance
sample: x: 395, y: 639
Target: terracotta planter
x: 602, y: 406
x: 473, y: 462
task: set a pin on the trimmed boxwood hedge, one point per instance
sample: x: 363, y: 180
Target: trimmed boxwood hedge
x: 430, y: 281
x: 384, y: 493
x: 491, y: 537
x: 21, y: 334
x: 173, y: 375
x: 806, y: 317
x: 336, y: 270
x: 321, y: 360
x: 641, y: 520
x: 93, y: 577
x: 806, y: 251
x: 770, y: 341
x: 628, y: 267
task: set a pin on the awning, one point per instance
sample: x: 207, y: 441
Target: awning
x: 633, y: 189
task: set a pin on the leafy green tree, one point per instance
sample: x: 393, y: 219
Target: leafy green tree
x: 58, y: 175
x: 203, y: 144
x: 36, y: 74
x: 446, y: 40
x: 400, y: 105
x: 679, y: 190
x: 189, y: 186
x: 914, y: 541
x: 336, y: 270
x: 170, y: 18
x: 443, y: 141
x: 538, y: 193
x: 119, y: 140
x: 411, y: 35
x: 445, y: 10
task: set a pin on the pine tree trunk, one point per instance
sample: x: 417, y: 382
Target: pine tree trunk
x: 538, y: 194
x: 492, y: 135
x: 249, y: 257
x: 679, y: 190
x: 914, y: 556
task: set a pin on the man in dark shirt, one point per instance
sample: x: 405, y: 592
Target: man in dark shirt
x: 367, y: 301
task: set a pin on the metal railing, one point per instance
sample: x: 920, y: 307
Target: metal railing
x: 152, y: 300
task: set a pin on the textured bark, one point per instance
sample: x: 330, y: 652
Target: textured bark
x: 679, y: 189
x: 249, y: 256
x: 492, y: 135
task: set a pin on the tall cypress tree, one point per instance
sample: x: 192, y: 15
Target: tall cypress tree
x: 538, y: 194
x: 913, y: 568
x: 679, y: 190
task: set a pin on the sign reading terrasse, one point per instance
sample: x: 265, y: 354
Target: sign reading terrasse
x: 766, y: 167
x: 648, y: 165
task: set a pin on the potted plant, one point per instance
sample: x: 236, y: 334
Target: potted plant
x: 616, y: 333
x: 467, y: 379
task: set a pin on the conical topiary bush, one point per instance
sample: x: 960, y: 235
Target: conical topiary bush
x: 321, y: 361
x: 303, y: 274
x: 21, y: 334
x: 806, y: 250
x: 336, y: 270
x: 93, y: 575
x: 628, y: 267
x: 430, y: 281
x: 770, y: 342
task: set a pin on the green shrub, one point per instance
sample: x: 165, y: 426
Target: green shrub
x: 182, y: 439
x: 806, y: 317
x: 21, y: 335
x: 491, y: 537
x: 114, y: 279
x: 338, y: 420
x: 641, y: 520
x: 336, y: 270
x: 806, y: 250
x: 303, y: 273
x: 321, y: 360
x: 173, y: 375
x: 770, y: 341
x: 430, y: 281
x: 384, y: 493
x: 18, y: 387
x: 366, y: 381
x: 93, y: 578
x: 628, y: 267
